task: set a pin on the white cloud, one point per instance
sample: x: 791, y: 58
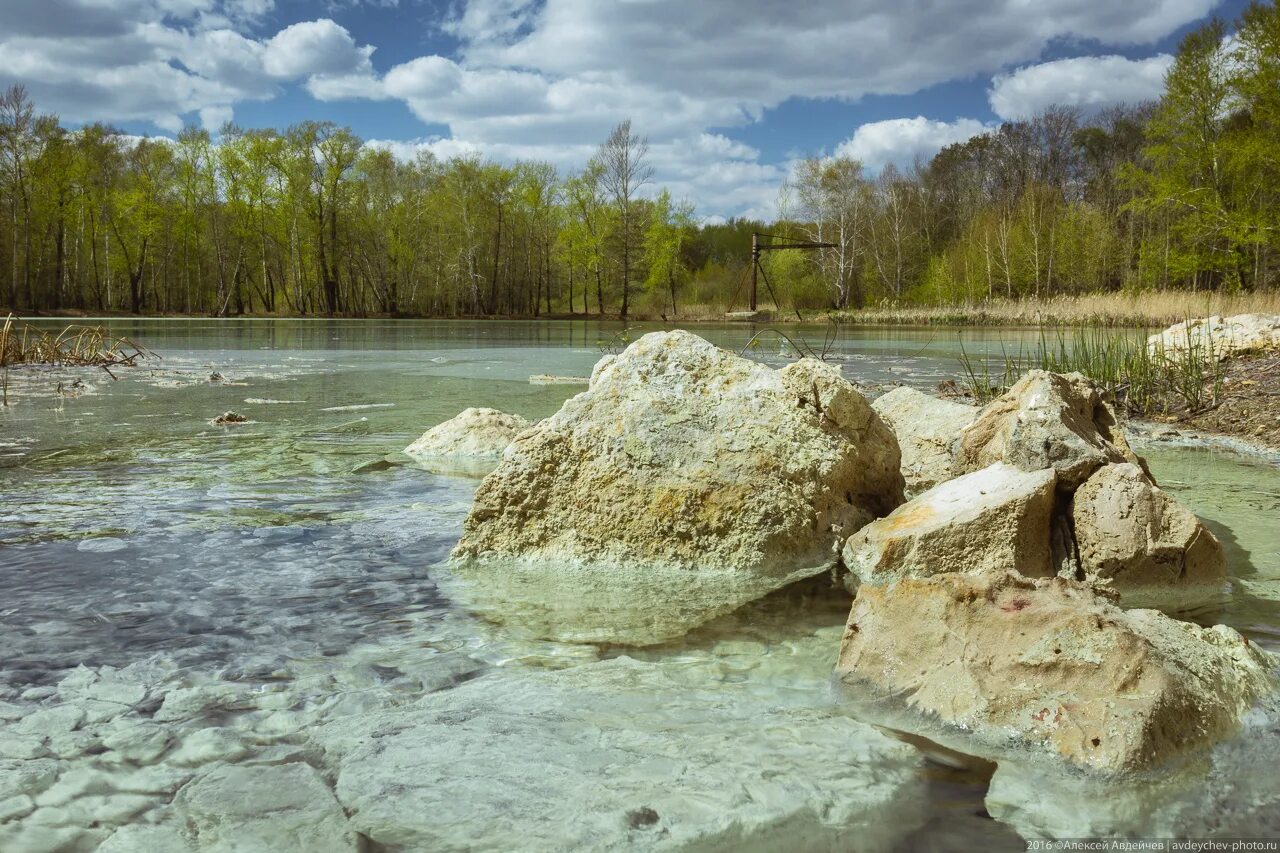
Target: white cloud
x: 161, y: 60
x: 313, y: 47
x: 901, y: 140
x: 213, y: 118
x: 1088, y: 81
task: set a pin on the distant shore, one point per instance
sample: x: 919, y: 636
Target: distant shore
x: 1108, y: 310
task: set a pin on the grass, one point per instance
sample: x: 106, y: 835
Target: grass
x: 76, y: 346
x: 1109, y: 310
x: 1144, y: 380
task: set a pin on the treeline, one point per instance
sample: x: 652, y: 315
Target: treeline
x: 1183, y: 193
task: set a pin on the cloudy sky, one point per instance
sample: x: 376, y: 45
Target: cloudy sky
x: 729, y: 92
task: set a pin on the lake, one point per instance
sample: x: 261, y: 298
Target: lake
x: 284, y: 570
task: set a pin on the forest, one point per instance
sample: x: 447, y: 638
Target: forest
x: 1179, y: 194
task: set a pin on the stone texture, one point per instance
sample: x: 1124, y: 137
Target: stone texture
x: 926, y: 427
x: 1151, y: 549
x: 471, y: 442
x: 1008, y: 666
x: 992, y: 520
x: 1046, y: 420
x: 683, y: 483
x: 620, y: 755
x: 1218, y: 337
x: 282, y: 808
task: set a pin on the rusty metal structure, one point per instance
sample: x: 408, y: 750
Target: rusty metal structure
x: 758, y: 271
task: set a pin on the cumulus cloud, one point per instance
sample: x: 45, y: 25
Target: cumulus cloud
x: 1090, y: 82
x: 163, y: 60
x: 313, y: 47
x: 901, y: 140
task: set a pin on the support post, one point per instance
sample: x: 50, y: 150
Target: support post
x: 755, y: 266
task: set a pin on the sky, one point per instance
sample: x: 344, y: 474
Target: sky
x: 729, y: 93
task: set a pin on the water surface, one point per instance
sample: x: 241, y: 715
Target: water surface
x: 296, y: 552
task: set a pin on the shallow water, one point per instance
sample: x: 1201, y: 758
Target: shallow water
x: 294, y: 554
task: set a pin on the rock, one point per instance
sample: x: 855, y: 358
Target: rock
x: 208, y: 745
x: 228, y: 418
x: 620, y: 755
x: 142, y: 743
x: 992, y: 520
x: 1217, y: 338
x: 282, y: 808
x: 142, y: 838
x: 926, y: 428
x: 471, y: 442
x: 683, y: 483
x: 16, y: 807
x: 1006, y: 666
x: 48, y: 721
x: 1046, y: 420
x: 15, y: 745
x: 1131, y: 534
x: 184, y: 703
x: 26, y: 777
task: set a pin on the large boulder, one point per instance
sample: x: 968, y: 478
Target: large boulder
x: 1046, y: 420
x: 992, y: 520
x: 471, y: 442
x: 1129, y: 533
x: 926, y: 427
x: 1007, y: 666
x: 1217, y: 338
x: 683, y: 483
x: 622, y: 755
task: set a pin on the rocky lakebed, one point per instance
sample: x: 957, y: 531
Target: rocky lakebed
x: 694, y: 601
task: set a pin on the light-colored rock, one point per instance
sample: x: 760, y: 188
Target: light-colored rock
x: 204, y: 746
x: 186, y: 703
x: 1151, y: 549
x: 992, y: 520
x: 48, y: 721
x: 1217, y: 338
x: 144, y: 838
x: 683, y: 483
x: 472, y: 442
x: 1046, y: 420
x: 16, y: 807
x: 141, y: 743
x: 22, y: 746
x: 620, y: 755
x: 283, y: 808
x: 26, y: 777
x: 926, y: 428
x: 1011, y: 666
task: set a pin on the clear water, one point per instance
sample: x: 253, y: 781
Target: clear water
x: 297, y: 550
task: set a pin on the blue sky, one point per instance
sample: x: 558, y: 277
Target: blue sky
x: 729, y: 92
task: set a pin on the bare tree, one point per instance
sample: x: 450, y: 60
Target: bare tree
x: 624, y: 161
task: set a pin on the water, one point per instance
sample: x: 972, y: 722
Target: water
x: 292, y: 557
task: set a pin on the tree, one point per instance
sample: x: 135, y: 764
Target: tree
x: 624, y: 169
x: 832, y: 199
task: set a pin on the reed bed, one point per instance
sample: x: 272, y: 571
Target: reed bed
x: 1107, y: 310
x: 74, y: 346
x: 1144, y: 380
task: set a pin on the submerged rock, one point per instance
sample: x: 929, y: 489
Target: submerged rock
x: 1046, y: 420
x: 470, y: 442
x: 278, y: 808
x: 620, y: 755
x: 1217, y: 338
x: 1151, y: 549
x: 685, y: 482
x: 926, y: 427
x: 992, y: 520
x: 1005, y: 666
